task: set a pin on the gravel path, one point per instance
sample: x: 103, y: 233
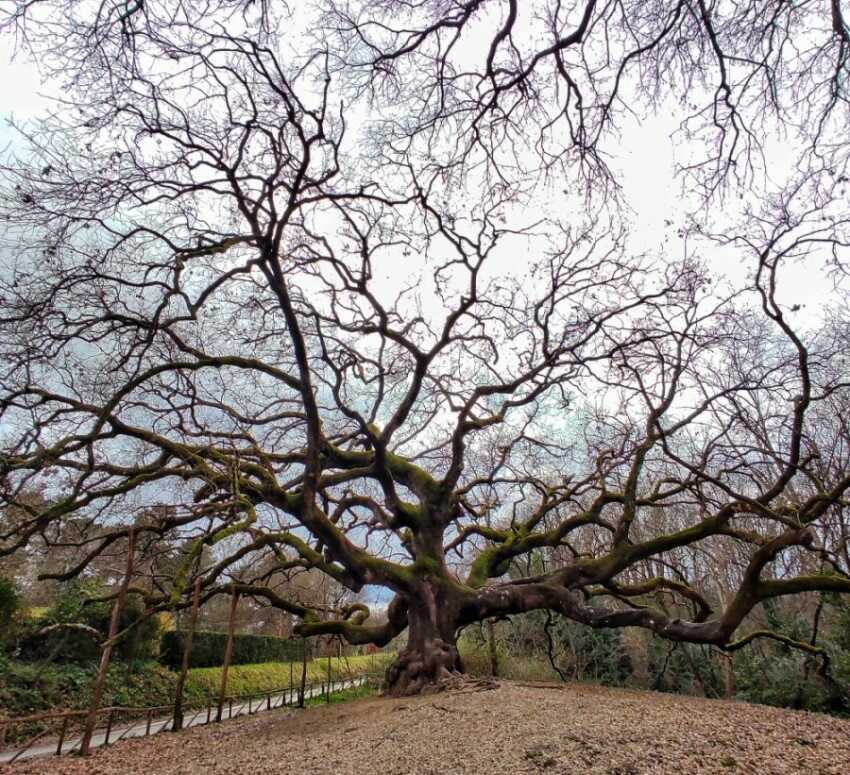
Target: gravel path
x: 514, y: 728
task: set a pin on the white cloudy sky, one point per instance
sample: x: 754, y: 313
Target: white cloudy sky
x: 22, y: 89
x: 646, y: 160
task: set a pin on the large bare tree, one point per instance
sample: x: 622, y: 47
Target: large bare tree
x: 350, y: 289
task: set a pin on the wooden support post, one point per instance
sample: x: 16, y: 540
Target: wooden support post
x: 148, y: 724
x: 329, y: 673
x: 62, y: 734
x: 108, y: 726
x: 106, y: 653
x: 291, y: 687
x: 184, y: 665
x: 303, y: 674
x: 228, y: 653
x: 491, y: 639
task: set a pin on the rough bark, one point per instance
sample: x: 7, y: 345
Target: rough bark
x: 431, y: 656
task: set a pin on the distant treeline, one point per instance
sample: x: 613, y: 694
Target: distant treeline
x: 768, y: 671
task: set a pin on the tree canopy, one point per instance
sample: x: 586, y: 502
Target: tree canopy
x: 353, y: 287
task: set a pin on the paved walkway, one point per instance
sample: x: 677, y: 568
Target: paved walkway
x: 191, y: 719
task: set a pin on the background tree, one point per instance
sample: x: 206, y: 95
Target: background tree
x: 348, y: 329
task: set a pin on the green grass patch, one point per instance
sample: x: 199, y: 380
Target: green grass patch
x: 369, y: 689
x: 267, y: 676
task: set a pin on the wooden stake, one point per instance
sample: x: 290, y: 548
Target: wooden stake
x: 303, y: 674
x: 330, y: 648
x: 106, y: 653
x: 491, y: 637
x: 62, y: 734
x: 184, y: 666
x: 108, y: 726
x: 228, y: 653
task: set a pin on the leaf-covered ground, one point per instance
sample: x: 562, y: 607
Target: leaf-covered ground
x: 513, y: 728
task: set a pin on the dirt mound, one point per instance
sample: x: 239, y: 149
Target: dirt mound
x: 510, y: 728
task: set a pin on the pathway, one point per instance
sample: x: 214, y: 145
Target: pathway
x: 198, y: 718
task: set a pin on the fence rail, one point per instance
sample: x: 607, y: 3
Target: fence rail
x: 60, y: 732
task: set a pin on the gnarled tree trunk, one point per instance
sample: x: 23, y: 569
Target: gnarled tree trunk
x: 431, y: 655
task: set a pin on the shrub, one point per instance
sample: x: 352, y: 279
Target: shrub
x: 683, y: 668
x: 9, y: 606
x: 9, y: 601
x: 522, y: 650
x: 27, y: 688
x: 208, y: 649
x: 779, y: 679
x: 776, y: 674
x: 76, y: 605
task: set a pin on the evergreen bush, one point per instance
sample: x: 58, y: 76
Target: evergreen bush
x: 208, y: 649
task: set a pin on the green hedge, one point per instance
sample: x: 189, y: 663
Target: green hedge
x: 77, y: 603
x: 269, y: 676
x: 208, y: 649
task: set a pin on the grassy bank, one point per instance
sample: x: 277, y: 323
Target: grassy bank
x: 355, y: 693
x: 27, y: 688
x: 248, y: 679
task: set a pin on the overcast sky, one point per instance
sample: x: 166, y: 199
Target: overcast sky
x: 645, y: 159
x: 646, y: 162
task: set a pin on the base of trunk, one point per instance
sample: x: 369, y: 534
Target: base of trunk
x: 423, y: 669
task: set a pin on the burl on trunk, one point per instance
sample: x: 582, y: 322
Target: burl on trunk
x: 431, y: 655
